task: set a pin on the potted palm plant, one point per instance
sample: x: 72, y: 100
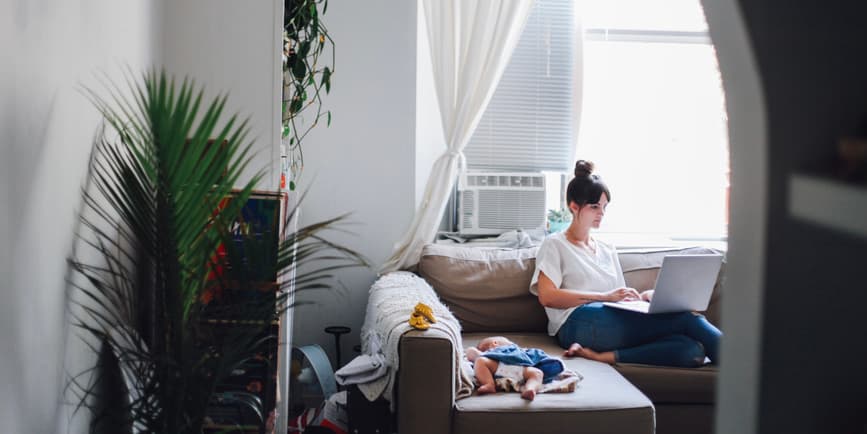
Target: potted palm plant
x: 154, y: 217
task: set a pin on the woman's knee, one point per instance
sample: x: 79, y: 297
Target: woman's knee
x: 692, y: 353
x: 692, y: 320
x: 688, y: 318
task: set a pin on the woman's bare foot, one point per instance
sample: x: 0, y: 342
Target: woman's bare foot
x: 529, y: 394
x: 485, y: 389
x: 576, y: 350
x: 573, y: 350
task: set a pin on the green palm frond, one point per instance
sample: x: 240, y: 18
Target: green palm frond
x: 152, y: 224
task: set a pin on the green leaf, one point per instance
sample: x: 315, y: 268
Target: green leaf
x: 292, y: 185
x: 296, y: 105
x: 328, y: 124
x: 299, y: 69
x: 326, y: 79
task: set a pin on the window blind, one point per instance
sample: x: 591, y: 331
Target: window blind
x: 530, y: 122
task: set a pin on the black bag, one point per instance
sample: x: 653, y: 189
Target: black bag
x: 366, y: 417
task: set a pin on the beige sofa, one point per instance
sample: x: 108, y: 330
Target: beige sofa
x: 487, y: 290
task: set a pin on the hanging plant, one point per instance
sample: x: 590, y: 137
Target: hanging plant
x: 304, y: 78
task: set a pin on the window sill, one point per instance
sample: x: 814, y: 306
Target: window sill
x: 630, y: 242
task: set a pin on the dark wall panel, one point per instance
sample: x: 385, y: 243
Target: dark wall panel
x: 812, y: 57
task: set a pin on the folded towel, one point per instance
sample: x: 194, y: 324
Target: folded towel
x: 362, y: 369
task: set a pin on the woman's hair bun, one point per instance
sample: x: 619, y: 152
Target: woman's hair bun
x: 583, y: 168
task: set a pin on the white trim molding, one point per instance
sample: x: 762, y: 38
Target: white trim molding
x: 740, y: 364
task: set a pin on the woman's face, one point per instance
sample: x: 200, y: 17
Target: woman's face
x: 590, y: 215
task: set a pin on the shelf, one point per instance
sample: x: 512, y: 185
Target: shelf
x: 238, y: 321
x: 829, y: 203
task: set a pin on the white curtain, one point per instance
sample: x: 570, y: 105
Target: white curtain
x: 471, y: 42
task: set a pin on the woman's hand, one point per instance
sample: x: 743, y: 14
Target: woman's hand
x: 647, y: 295
x: 622, y: 294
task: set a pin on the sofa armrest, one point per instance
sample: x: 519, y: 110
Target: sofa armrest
x: 425, y: 383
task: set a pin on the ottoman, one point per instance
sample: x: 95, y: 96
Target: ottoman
x: 603, y: 403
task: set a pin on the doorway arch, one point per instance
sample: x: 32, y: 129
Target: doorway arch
x: 738, y: 382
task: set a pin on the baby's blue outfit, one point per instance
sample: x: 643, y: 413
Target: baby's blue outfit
x: 513, y: 355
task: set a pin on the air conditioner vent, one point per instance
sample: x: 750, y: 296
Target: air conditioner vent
x: 493, y: 203
x: 467, y: 197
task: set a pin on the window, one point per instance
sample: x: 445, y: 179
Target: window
x: 654, y: 119
x: 530, y: 122
x: 646, y: 88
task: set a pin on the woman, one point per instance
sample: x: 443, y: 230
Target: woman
x: 575, y: 273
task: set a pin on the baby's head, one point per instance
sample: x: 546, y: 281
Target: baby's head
x: 489, y: 343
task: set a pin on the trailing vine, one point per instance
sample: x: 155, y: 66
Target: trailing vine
x: 305, y: 38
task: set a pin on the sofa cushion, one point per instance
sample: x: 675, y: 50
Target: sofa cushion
x: 665, y: 385
x: 604, y: 402
x: 486, y: 289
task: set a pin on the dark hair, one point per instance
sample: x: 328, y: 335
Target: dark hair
x: 586, y: 187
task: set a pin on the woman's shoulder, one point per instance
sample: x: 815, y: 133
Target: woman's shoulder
x: 606, y: 246
x: 555, y: 238
x: 555, y: 241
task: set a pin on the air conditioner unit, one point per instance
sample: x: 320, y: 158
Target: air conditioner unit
x: 494, y: 203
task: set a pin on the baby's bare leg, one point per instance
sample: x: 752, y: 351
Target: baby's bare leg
x: 485, y: 369
x: 532, y: 383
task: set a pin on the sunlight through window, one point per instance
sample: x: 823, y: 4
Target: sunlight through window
x: 653, y: 118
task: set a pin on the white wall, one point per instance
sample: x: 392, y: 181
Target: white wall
x: 430, y: 143
x: 364, y: 163
x: 49, y: 49
x: 233, y: 47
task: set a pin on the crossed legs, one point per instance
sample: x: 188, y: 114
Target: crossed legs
x: 604, y: 334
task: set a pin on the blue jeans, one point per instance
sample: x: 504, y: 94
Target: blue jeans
x: 669, y: 339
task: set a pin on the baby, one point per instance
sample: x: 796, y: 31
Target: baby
x: 498, y: 356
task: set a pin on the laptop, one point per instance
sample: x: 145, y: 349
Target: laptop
x: 685, y: 283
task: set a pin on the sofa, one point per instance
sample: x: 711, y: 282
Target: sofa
x: 487, y: 291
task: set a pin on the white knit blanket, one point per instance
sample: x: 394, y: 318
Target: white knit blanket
x: 392, y: 299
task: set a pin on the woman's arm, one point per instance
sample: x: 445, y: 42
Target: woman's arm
x: 551, y: 296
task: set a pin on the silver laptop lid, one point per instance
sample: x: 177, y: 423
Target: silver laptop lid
x: 685, y: 283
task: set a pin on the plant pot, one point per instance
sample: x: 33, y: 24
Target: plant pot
x: 557, y: 226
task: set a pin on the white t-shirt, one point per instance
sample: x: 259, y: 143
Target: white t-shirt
x: 575, y: 268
